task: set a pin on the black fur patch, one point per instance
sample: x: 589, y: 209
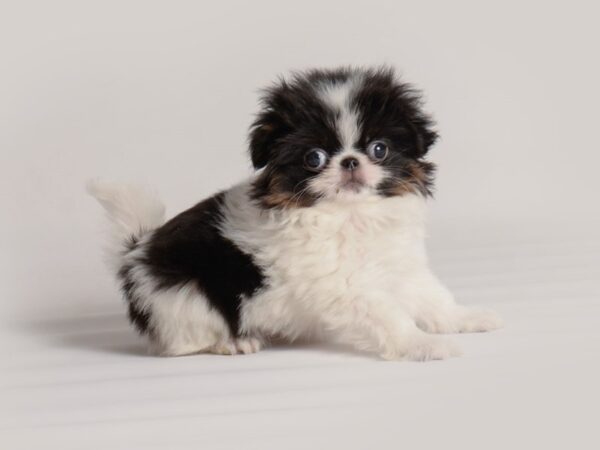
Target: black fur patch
x: 190, y: 249
x: 293, y: 120
x: 140, y: 318
x: 392, y: 111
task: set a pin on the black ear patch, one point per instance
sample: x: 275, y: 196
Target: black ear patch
x: 393, y: 108
x: 271, y: 124
x: 424, y: 135
x: 289, y: 106
x: 265, y: 131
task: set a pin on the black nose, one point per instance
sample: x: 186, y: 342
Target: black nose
x: 349, y: 163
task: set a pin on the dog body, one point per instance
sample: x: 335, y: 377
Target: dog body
x: 326, y: 241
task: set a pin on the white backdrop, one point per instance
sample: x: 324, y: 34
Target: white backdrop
x: 163, y: 92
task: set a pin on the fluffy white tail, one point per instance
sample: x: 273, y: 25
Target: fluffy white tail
x: 131, y: 210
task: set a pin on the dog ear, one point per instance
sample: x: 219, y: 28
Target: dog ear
x: 386, y: 99
x: 421, y: 125
x: 423, y: 132
x: 270, y: 124
x: 264, y: 133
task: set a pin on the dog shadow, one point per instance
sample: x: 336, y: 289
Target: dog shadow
x: 100, y: 331
x: 322, y: 347
x: 111, y: 332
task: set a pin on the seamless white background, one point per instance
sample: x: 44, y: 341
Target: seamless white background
x: 164, y: 92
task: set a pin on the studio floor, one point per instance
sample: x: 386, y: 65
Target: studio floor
x: 76, y: 376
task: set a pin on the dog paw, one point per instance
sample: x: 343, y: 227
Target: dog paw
x: 248, y: 345
x: 242, y: 345
x: 424, y: 348
x: 437, y: 324
x: 476, y: 320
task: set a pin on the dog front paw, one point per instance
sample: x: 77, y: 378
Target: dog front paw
x: 423, y: 348
x: 476, y: 320
x: 241, y: 345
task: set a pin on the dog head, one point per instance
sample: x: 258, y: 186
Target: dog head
x: 328, y: 134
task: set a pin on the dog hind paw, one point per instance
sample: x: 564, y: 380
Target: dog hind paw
x: 242, y: 345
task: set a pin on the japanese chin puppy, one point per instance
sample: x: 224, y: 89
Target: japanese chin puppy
x: 325, y: 241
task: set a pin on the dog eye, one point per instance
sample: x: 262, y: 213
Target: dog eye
x: 315, y: 159
x: 377, y: 150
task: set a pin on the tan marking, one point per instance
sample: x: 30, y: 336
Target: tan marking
x: 414, y: 181
x: 277, y: 197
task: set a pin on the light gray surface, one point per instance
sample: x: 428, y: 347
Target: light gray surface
x: 164, y: 93
x: 79, y: 378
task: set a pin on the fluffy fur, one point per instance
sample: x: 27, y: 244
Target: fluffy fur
x: 325, y: 241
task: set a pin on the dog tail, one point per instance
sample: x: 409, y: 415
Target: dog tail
x: 132, y: 212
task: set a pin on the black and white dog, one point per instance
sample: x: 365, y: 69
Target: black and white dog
x: 325, y: 241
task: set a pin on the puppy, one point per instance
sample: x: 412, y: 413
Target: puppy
x: 325, y: 241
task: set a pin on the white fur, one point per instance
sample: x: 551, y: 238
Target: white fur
x: 131, y: 211
x: 329, y: 183
x: 182, y: 320
x: 337, y: 96
x: 351, y: 269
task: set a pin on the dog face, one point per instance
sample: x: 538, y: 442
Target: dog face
x: 340, y: 134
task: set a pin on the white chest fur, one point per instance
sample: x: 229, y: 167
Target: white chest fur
x: 329, y: 256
